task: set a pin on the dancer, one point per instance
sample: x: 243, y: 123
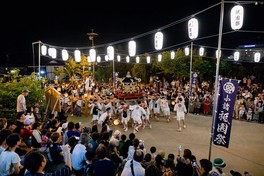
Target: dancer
x: 180, y: 109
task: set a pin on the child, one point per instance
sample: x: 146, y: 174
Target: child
x: 249, y: 114
x: 242, y: 110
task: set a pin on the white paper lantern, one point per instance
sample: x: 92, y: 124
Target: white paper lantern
x: 172, y: 54
x: 237, y: 16
x: 193, y: 28
x: 187, y: 51
x: 137, y: 59
x: 159, y: 57
x: 201, y: 51
x: 106, y: 58
x: 44, y: 50
x: 77, y: 55
x: 88, y: 59
x: 110, y: 52
x: 257, y: 57
x: 52, y: 52
x: 98, y: 59
x: 92, y: 53
x: 158, y: 42
x: 65, y: 55
x: 236, y: 56
x: 132, y: 48
x: 118, y: 58
x: 127, y: 59
x: 148, y: 59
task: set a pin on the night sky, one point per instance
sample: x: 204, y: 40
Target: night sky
x: 66, y: 24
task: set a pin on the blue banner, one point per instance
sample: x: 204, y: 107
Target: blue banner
x: 193, y: 82
x: 224, y: 111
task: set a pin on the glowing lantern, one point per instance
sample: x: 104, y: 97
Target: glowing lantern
x: 52, y: 52
x: 159, y: 57
x: 44, y: 50
x: 98, y: 58
x: 201, y: 51
x: 106, y: 58
x: 116, y: 122
x: 187, y: 51
x: 257, y: 57
x: 92, y: 54
x: 137, y: 59
x: 118, y: 58
x: 64, y: 54
x: 132, y: 48
x: 237, y: 15
x: 148, y: 59
x: 127, y: 59
x: 77, y: 55
x: 193, y: 28
x: 236, y: 56
x: 88, y: 59
x: 110, y: 52
x: 158, y: 42
x: 172, y: 55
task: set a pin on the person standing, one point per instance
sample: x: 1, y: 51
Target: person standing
x: 21, y: 101
x: 180, y: 109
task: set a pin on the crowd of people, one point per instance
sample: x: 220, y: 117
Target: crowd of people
x: 31, y: 145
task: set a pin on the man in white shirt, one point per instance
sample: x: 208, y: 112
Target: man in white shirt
x: 134, y: 167
x: 137, y: 112
x: 21, y: 101
x: 180, y: 109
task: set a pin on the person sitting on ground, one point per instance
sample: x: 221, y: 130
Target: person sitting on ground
x: 133, y: 166
x: 35, y: 163
x: 9, y: 159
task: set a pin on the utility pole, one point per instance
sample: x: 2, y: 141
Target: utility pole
x: 91, y: 37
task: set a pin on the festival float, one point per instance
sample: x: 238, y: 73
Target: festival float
x: 129, y: 87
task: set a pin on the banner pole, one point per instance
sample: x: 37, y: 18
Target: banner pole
x: 217, y: 75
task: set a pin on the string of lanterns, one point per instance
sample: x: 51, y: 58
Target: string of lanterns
x: 237, y: 15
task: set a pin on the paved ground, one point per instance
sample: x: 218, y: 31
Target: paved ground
x: 245, y: 152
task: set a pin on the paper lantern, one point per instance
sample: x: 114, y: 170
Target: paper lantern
x: 127, y: 59
x: 159, y: 57
x: 137, y: 59
x: 237, y: 16
x: 98, y: 59
x: 172, y: 54
x: 106, y: 58
x: 158, y: 42
x: 77, y: 55
x: 201, y: 51
x: 148, y: 59
x: 92, y: 54
x: 110, y: 52
x: 132, y: 48
x: 43, y: 50
x: 52, y: 52
x: 65, y: 55
x: 187, y: 51
x: 257, y: 57
x: 118, y: 58
x: 193, y: 28
x: 236, y: 56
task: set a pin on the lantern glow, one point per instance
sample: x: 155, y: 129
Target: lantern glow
x: 64, y: 54
x: 77, y: 55
x: 159, y: 57
x: 158, y: 42
x: 98, y: 59
x: 257, y: 57
x: 201, y: 51
x: 187, y: 51
x: 132, y: 48
x: 237, y: 15
x: 193, y: 28
x: 127, y: 59
x: 172, y: 55
x: 52, y: 52
x: 44, y: 50
x: 137, y: 59
x: 118, y: 58
x: 236, y: 56
x: 110, y: 52
x: 92, y: 54
x: 148, y: 59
